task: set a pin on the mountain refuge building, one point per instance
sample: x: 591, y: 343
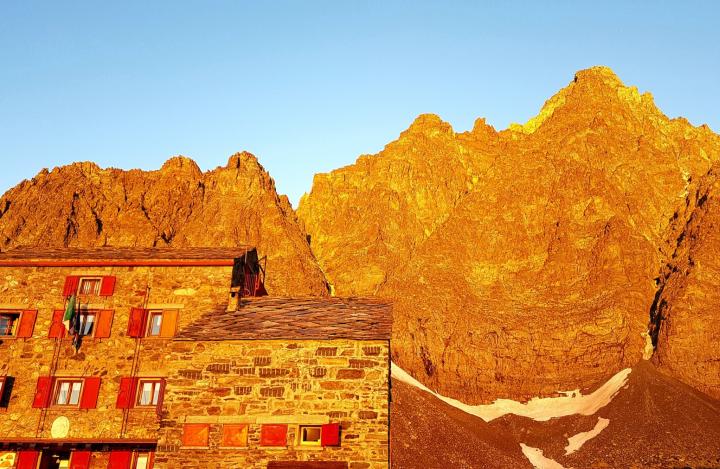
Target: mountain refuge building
x: 133, y: 358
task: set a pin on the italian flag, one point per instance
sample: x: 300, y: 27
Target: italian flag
x: 69, y: 313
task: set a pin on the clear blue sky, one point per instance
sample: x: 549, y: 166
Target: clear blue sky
x: 308, y: 86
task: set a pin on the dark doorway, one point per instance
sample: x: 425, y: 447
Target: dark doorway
x: 54, y: 460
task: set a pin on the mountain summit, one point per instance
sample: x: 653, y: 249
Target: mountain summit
x: 523, y: 261
x: 178, y: 205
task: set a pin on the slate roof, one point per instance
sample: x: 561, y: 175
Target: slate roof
x: 295, y: 319
x: 39, y: 254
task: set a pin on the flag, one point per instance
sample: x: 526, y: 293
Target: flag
x: 69, y: 313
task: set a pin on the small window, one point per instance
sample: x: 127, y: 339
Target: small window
x: 149, y: 392
x: 154, y: 323
x: 89, y: 286
x: 142, y: 461
x: 67, y: 392
x: 310, y: 435
x: 9, y: 323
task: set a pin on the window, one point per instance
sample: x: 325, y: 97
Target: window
x: 154, y: 323
x: 89, y: 286
x: 149, y: 392
x: 234, y: 435
x: 87, y: 321
x: 143, y: 460
x: 6, y: 385
x: 8, y: 323
x: 67, y: 392
x: 310, y: 435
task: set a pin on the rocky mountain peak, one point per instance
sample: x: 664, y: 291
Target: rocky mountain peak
x: 228, y: 206
x: 181, y: 164
x: 519, y: 262
x: 428, y: 125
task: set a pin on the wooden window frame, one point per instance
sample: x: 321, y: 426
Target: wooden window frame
x: 87, y: 312
x: 163, y: 313
x: 301, y: 436
x: 56, y: 392
x: 16, y: 323
x: 157, y: 384
x: 82, y: 279
x: 2, y: 385
x: 148, y: 325
x: 136, y: 457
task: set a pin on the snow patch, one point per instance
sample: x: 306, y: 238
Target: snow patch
x: 648, y: 350
x: 576, y: 441
x: 538, y: 459
x: 537, y: 408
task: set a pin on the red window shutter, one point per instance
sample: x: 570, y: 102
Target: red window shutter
x: 127, y: 392
x: 103, y: 323
x: 90, y: 391
x: 273, y: 435
x: 161, y: 397
x: 136, y: 324
x: 27, y: 323
x: 80, y: 460
x: 27, y: 459
x: 57, y: 328
x: 71, y: 285
x: 168, y: 327
x: 107, y: 286
x: 43, y: 392
x: 120, y: 460
x: 196, y: 434
x: 330, y: 434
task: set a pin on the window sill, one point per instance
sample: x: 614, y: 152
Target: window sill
x: 273, y: 448
x: 308, y: 448
x: 240, y: 448
x: 194, y: 447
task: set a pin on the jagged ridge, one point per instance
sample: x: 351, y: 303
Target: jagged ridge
x: 520, y: 261
x: 178, y: 205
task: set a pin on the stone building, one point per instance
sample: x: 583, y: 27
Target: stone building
x: 178, y: 362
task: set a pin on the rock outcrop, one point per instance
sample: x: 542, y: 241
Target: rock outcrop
x: 178, y: 205
x: 523, y: 261
x: 686, y: 311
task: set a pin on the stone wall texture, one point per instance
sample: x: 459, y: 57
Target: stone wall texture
x: 251, y: 382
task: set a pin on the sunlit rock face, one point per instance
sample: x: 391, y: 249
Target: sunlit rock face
x: 177, y: 205
x: 686, y: 313
x: 522, y: 261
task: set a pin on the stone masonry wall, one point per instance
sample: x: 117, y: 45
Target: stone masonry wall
x: 194, y: 290
x: 274, y: 381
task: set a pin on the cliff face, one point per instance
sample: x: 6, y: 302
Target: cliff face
x: 523, y: 261
x: 685, y: 315
x: 177, y: 205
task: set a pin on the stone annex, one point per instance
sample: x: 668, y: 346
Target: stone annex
x: 176, y: 358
